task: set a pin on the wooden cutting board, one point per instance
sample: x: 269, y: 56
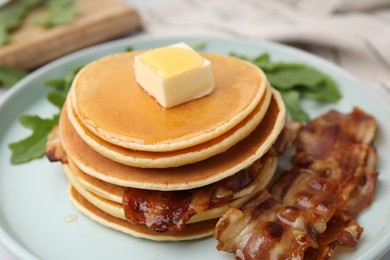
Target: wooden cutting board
x: 98, y: 21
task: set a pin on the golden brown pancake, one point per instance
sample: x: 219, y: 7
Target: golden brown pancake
x: 108, y: 197
x: 190, y: 232
x: 109, y: 102
x: 184, y: 177
x: 115, y: 209
x: 115, y: 193
x: 174, y: 158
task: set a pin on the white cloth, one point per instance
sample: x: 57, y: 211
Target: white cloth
x: 355, y: 34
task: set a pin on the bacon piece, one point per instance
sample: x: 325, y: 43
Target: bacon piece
x: 263, y: 229
x: 160, y: 211
x: 338, y: 233
x: 168, y: 211
x: 332, y: 180
x: 336, y: 164
x: 287, y: 136
x: 54, y: 149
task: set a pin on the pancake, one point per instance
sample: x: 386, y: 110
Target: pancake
x: 109, y: 102
x: 115, y: 193
x: 174, y: 158
x: 116, y: 210
x: 112, y: 205
x: 191, y: 231
x: 211, y: 170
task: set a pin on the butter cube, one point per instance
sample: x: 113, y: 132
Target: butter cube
x: 174, y: 74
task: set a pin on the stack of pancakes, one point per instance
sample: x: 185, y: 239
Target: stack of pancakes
x: 126, y: 155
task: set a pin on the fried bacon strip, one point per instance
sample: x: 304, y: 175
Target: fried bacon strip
x: 313, y: 206
x: 54, y: 150
x: 287, y: 136
x: 169, y: 211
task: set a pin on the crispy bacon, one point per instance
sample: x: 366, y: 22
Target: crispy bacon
x: 332, y: 180
x: 264, y: 229
x: 169, y: 211
x: 164, y: 211
x: 287, y: 136
x: 54, y: 150
x: 338, y: 233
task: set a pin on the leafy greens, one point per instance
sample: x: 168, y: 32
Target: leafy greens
x: 33, y: 146
x: 9, y: 76
x: 296, y: 81
x: 13, y: 14
x: 60, y: 12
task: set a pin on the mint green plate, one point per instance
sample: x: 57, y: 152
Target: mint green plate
x: 33, y: 196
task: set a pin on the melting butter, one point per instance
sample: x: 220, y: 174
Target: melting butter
x: 174, y: 74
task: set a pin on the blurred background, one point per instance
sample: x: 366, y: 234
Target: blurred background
x: 354, y: 34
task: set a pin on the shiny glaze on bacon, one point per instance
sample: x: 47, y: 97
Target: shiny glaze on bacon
x: 313, y: 206
x: 169, y: 211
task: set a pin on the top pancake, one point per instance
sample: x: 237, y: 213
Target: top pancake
x: 109, y: 102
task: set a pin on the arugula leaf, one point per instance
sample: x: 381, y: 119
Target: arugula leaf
x: 57, y: 99
x: 12, y: 14
x: 9, y: 76
x: 33, y: 146
x: 288, y: 78
x: 326, y: 91
x: 56, y: 84
x: 60, y: 12
x: 199, y: 46
x: 291, y: 99
x: 296, y: 81
x: 4, y: 36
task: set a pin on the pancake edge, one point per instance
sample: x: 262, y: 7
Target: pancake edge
x: 120, y: 140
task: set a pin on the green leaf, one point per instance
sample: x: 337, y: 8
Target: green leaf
x: 291, y: 99
x: 262, y: 58
x: 29, y: 4
x: 56, y: 98
x: 269, y: 66
x: 129, y: 49
x: 34, y: 145
x: 296, y: 80
x: 9, y: 76
x: 289, y: 77
x: 242, y: 57
x: 12, y: 15
x: 69, y: 79
x: 56, y: 84
x: 60, y: 12
x: 4, y: 36
x: 63, y: 84
x: 199, y: 46
x: 327, y: 91
x: 60, y: 88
